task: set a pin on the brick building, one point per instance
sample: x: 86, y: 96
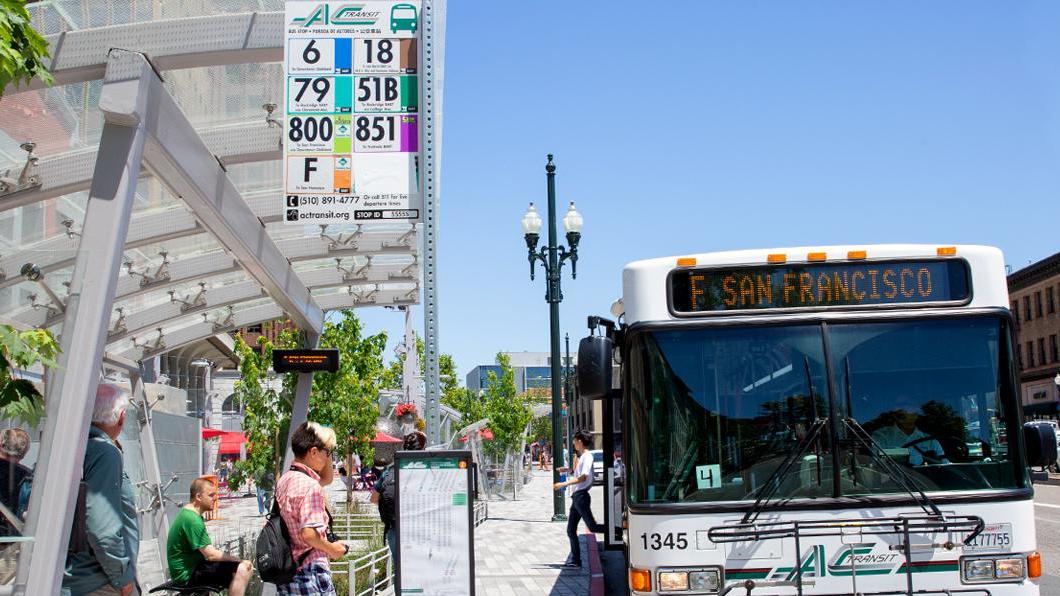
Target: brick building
x: 1034, y: 292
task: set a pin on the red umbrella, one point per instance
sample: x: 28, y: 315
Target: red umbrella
x: 382, y: 437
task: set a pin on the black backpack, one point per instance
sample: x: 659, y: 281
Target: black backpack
x: 274, y: 560
x: 387, y: 511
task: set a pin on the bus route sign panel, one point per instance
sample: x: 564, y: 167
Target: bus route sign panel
x: 351, y: 112
x: 803, y: 285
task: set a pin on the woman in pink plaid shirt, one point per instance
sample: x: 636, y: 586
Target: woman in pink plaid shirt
x: 301, y: 500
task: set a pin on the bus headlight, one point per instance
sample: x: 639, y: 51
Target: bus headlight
x: 691, y: 580
x: 993, y: 569
x: 673, y: 581
x: 704, y: 580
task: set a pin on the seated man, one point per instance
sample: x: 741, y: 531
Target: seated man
x: 193, y: 560
x: 901, y: 438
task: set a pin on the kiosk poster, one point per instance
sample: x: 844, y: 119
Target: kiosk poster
x: 351, y: 148
x: 434, y: 523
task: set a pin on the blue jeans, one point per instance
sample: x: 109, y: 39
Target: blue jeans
x: 392, y: 544
x: 263, y: 501
x: 579, y: 510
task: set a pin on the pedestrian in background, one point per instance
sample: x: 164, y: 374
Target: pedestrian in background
x: 300, y: 497
x: 14, y: 443
x: 383, y: 493
x: 580, y: 480
x: 263, y: 486
x: 107, y: 565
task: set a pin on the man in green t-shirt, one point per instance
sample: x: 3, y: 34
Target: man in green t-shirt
x: 193, y: 560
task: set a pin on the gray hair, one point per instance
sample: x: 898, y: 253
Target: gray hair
x: 14, y: 443
x: 111, y: 401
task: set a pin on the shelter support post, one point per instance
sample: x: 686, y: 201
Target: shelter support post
x: 71, y: 392
x: 300, y: 407
x: 429, y: 187
x: 156, y: 516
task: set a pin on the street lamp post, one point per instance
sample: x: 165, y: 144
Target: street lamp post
x: 552, y: 258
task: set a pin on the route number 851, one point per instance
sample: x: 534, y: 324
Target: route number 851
x: 671, y: 541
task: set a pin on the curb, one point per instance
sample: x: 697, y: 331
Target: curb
x: 596, y: 568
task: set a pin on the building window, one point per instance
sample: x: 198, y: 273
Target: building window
x: 1054, y: 348
x: 1019, y: 356
x: 1041, y: 351
x: 1026, y: 308
x: 1016, y: 312
x: 1038, y: 304
x: 1030, y: 354
x: 1050, y: 302
x: 1040, y: 395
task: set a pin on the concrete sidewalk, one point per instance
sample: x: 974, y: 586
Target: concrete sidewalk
x: 520, y: 551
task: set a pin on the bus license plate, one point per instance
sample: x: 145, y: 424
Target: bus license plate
x: 993, y: 537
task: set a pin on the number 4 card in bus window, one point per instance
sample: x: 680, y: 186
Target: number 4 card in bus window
x: 708, y: 476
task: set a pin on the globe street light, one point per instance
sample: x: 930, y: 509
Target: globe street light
x: 552, y: 258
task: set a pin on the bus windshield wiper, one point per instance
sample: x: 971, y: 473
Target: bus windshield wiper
x: 896, y: 473
x: 772, y: 484
x: 813, y: 433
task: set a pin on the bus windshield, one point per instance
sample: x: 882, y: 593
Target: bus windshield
x: 716, y: 410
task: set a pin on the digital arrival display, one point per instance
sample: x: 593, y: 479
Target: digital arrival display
x: 795, y: 285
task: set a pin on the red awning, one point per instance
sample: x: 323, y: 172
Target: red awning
x: 209, y: 433
x: 382, y: 437
x: 485, y: 434
x: 231, y: 442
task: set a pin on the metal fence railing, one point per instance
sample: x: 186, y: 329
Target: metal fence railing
x: 371, y: 574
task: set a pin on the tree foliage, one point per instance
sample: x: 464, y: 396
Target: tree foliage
x: 267, y: 412
x: 22, y: 49
x: 508, y: 412
x: 541, y: 428
x: 345, y: 400
x: 19, y: 398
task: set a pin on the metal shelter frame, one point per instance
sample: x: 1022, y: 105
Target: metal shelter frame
x: 147, y: 135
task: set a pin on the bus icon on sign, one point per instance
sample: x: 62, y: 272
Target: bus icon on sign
x: 403, y: 18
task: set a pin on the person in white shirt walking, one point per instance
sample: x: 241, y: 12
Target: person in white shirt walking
x: 580, y: 479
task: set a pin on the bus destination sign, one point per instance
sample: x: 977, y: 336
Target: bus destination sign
x: 305, y: 361
x: 807, y: 285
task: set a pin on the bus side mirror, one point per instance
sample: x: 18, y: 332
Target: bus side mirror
x: 1041, y: 444
x: 594, y: 367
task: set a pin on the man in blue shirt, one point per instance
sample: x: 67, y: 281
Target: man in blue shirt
x: 108, y: 566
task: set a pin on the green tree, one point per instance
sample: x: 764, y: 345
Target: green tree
x: 392, y: 378
x: 541, y: 428
x: 22, y: 49
x: 508, y: 412
x: 19, y: 398
x: 467, y: 402
x: 347, y: 400
x: 267, y: 411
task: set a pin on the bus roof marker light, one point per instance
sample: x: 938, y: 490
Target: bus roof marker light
x: 817, y: 256
x: 855, y: 255
x: 777, y: 258
x: 946, y: 251
x: 686, y: 262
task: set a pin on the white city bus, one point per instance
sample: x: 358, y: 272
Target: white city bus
x: 821, y: 421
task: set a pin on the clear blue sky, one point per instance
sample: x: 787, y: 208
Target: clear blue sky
x: 684, y: 127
